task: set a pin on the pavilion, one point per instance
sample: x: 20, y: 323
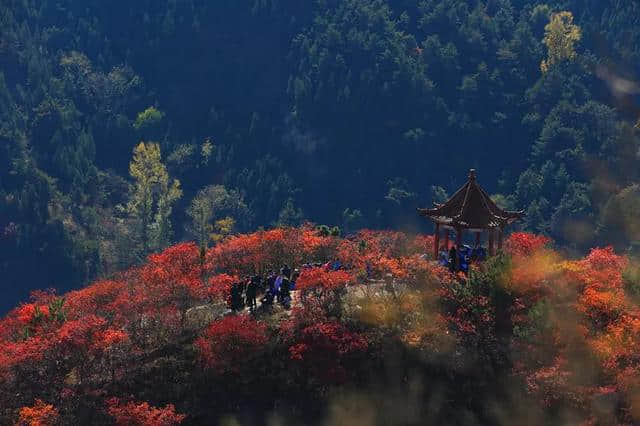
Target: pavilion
x: 471, y: 209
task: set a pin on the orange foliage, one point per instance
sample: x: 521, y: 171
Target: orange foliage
x: 619, y: 344
x: 40, y: 414
x: 525, y: 244
x: 531, y: 275
x: 600, y: 274
x: 423, y: 273
x: 379, y: 252
x: 421, y: 244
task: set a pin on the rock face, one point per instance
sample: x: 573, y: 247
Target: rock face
x: 199, y: 317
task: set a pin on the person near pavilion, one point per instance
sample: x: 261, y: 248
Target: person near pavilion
x: 443, y: 256
x: 453, y: 259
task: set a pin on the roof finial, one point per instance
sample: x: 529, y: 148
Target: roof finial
x: 472, y: 174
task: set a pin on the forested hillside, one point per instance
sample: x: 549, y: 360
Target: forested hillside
x: 126, y: 126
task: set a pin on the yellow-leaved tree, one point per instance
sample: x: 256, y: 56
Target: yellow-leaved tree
x: 215, y: 213
x: 222, y: 228
x: 151, y: 196
x: 560, y: 37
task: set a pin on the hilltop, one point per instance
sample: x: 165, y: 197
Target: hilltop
x: 390, y: 337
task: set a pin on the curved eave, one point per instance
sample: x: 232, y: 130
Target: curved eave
x: 495, y: 222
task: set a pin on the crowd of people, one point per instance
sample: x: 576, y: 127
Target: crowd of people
x: 275, y: 287
x: 272, y: 287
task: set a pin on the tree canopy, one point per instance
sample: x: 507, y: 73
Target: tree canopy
x: 341, y: 112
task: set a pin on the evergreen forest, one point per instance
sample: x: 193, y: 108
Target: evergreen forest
x: 276, y: 112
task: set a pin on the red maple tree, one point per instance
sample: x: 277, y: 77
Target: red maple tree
x: 325, y: 348
x: 229, y: 344
x: 142, y: 414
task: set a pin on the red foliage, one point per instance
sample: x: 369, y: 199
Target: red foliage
x: 316, y: 247
x: 39, y: 414
x: 605, y: 259
x: 26, y: 313
x: 617, y: 346
x: 324, y: 348
x: 322, y: 279
x: 32, y: 313
x: 525, y: 244
x: 143, y: 414
x: 562, y: 316
x: 176, y: 272
x: 253, y: 253
x: 79, y: 333
x: 30, y: 350
x: 98, y: 298
x: 110, y: 338
x: 230, y: 343
x: 380, y: 252
x: 69, y: 340
x: 220, y: 285
x: 236, y: 255
x: 160, y: 292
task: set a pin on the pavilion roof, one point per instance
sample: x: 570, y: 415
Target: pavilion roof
x: 471, y: 207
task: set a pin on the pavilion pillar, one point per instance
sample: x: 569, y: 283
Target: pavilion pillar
x: 458, y: 237
x: 477, y: 239
x: 492, y: 251
x: 500, y: 235
x: 446, y: 239
x: 436, y: 242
